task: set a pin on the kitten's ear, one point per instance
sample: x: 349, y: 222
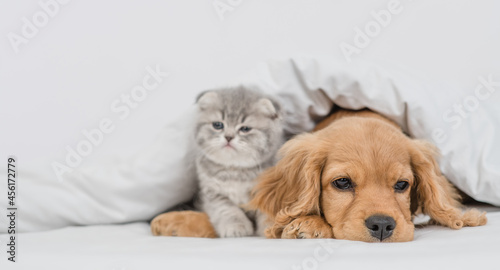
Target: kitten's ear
x: 207, y: 99
x: 267, y: 107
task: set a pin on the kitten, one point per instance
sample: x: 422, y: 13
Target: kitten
x: 238, y: 133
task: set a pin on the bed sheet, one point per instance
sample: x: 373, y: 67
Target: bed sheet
x: 131, y: 246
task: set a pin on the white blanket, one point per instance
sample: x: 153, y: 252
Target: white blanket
x: 462, y: 123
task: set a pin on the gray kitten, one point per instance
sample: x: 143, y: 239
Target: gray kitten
x: 237, y: 134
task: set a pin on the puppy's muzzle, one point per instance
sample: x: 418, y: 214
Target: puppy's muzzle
x: 380, y: 227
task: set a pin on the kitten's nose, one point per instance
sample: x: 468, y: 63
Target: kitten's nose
x: 228, y: 138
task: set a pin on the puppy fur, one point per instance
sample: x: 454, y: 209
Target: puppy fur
x: 300, y: 198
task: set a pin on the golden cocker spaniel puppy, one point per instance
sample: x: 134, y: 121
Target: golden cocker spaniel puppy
x: 359, y: 177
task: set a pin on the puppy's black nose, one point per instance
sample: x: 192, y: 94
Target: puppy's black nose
x: 380, y: 227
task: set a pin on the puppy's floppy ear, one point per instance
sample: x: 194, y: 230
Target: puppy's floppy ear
x: 292, y: 187
x: 434, y: 194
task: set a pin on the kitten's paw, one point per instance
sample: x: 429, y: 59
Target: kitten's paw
x: 184, y: 224
x: 307, y: 227
x: 235, y: 228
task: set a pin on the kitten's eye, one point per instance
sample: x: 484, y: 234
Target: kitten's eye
x: 218, y: 125
x: 245, y: 129
x: 343, y: 183
x: 401, y: 186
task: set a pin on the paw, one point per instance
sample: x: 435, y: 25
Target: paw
x: 474, y: 217
x: 239, y: 227
x: 307, y: 227
x: 184, y: 224
x: 469, y: 218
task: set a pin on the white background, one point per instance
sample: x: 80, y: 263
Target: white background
x: 66, y: 77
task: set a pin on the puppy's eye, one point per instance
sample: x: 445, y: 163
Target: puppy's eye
x: 245, y: 129
x: 343, y: 183
x: 401, y: 186
x: 218, y: 125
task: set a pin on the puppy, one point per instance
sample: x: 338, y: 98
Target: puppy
x: 358, y: 177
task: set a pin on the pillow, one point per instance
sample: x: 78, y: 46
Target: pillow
x: 126, y: 190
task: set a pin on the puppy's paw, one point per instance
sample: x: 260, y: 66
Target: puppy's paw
x: 307, y: 227
x: 184, y: 224
x: 235, y: 227
x: 469, y: 218
x: 474, y: 217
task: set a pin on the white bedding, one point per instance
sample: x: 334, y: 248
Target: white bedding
x: 131, y: 246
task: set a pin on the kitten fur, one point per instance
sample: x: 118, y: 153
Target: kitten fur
x: 229, y: 159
